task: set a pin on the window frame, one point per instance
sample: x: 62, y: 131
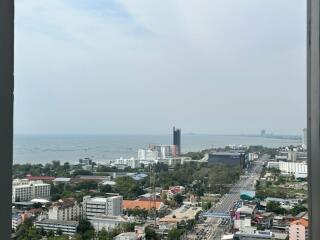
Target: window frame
x: 6, y: 113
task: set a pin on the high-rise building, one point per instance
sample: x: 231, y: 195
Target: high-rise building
x: 177, y: 140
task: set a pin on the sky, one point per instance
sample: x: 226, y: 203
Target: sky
x: 143, y: 66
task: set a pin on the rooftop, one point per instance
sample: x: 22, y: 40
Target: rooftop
x: 304, y: 222
x: 58, y: 222
x: 142, y: 204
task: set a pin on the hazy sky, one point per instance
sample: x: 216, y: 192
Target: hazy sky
x: 142, y: 66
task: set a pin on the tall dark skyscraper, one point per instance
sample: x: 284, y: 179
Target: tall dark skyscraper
x: 177, y: 139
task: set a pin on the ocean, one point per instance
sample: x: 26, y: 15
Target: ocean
x: 44, y: 149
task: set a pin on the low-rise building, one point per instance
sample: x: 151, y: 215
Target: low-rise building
x: 173, y: 191
x: 61, y: 180
x: 24, y: 190
x: 16, y: 220
x: 143, y: 204
x: 107, y: 222
x: 264, y: 219
x: 67, y: 227
x: 127, y: 236
x: 253, y: 234
x: 298, y: 169
x: 128, y: 162
x: 65, y: 210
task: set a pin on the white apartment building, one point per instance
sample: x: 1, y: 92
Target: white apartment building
x: 147, y: 154
x: 299, y: 170
x: 65, y: 210
x: 99, y: 206
x: 23, y: 190
x: 165, y: 151
x: 130, y: 162
x: 106, y: 222
x: 67, y: 227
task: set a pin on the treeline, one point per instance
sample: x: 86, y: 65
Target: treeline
x: 199, y: 177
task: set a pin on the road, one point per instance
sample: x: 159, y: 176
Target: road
x: 215, y: 226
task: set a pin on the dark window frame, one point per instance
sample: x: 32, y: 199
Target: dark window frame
x: 6, y: 113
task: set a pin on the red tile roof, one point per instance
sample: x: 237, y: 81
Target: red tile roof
x: 142, y: 204
x: 304, y: 222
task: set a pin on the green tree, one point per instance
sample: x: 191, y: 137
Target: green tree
x: 178, y: 198
x: 84, y: 226
x: 275, y: 207
x: 174, y: 234
x: 298, y: 209
x: 50, y: 233
x: 59, y: 232
x: 150, y: 234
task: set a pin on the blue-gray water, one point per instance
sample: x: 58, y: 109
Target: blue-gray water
x: 42, y: 149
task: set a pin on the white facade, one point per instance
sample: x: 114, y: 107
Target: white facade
x: 165, y: 151
x: 67, y: 227
x: 67, y: 210
x: 253, y: 235
x: 106, y: 222
x: 98, y: 206
x: 253, y: 156
x: 147, y: 154
x: 126, y: 236
x: 299, y: 170
x: 25, y: 191
x: 130, y: 162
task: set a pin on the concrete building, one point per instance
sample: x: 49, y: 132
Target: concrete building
x: 129, y: 162
x: 107, y: 222
x: 171, y: 161
x: 243, y: 217
x: 25, y: 191
x: 127, y: 236
x: 253, y: 156
x: 165, y: 151
x: 230, y: 158
x: 67, y: 227
x: 65, y: 210
x: 253, y: 234
x: 147, y: 155
x: 299, y: 229
x: 99, y: 206
x: 61, y: 180
x: 16, y: 220
x: 299, y: 170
